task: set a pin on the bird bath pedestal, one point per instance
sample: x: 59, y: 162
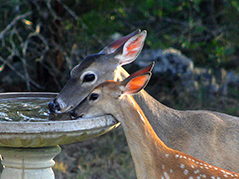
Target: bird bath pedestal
x: 28, y: 148
x: 28, y: 163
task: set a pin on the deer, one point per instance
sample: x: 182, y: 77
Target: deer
x: 207, y: 135
x: 152, y: 158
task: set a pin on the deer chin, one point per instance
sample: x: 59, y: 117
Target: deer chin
x: 75, y: 116
x: 89, y: 116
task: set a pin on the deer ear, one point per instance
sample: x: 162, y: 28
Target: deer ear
x: 129, y: 51
x: 135, y: 84
x: 137, y: 81
x: 116, y: 44
x: 147, y: 69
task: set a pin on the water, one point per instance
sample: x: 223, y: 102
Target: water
x: 24, y: 109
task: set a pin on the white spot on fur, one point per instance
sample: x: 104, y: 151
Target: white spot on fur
x: 203, y: 175
x: 185, y: 172
x: 196, y: 171
x: 166, y: 155
x: 229, y: 173
x: 182, y: 165
x: 166, y: 175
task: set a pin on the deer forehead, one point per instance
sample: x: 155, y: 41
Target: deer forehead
x: 88, y: 63
x: 109, y: 87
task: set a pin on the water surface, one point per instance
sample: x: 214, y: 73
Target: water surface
x: 27, y: 109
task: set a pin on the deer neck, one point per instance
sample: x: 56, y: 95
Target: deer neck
x: 141, y: 138
x: 153, y: 110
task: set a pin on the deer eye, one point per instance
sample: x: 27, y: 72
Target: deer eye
x: 94, y: 96
x: 89, y: 77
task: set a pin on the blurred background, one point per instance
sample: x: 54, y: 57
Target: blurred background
x: 195, y: 45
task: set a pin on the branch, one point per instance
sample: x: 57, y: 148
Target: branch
x: 19, y: 74
x: 19, y: 17
x: 68, y: 10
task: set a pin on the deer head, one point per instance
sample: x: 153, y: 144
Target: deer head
x: 105, y: 97
x: 96, y: 69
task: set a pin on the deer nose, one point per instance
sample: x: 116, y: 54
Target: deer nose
x: 53, y: 106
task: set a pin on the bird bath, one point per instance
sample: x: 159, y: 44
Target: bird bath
x: 29, y: 140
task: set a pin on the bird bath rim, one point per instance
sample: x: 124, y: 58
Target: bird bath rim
x: 51, y: 133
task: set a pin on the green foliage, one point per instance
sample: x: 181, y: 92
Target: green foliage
x: 205, y: 31
x: 235, y: 4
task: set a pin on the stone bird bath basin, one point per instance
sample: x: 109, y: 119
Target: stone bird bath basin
x: 29, y: 140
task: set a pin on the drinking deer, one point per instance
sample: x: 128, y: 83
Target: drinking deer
x: 207, y: 135
x: 152, y: 158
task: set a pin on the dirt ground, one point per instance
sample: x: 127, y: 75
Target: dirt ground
x: 103, y: 157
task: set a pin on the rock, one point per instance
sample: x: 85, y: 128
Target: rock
x: 180, y: 68
x: 232, y: 79
x: 167, y: 61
